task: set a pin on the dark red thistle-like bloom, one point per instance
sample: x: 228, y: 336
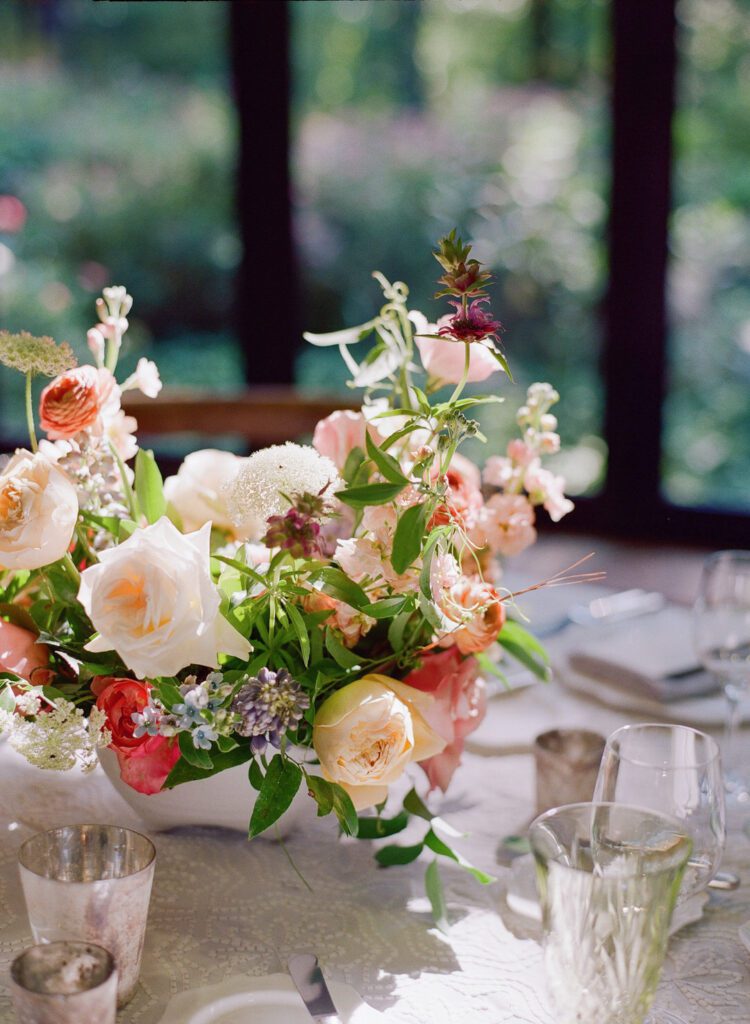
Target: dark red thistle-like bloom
x: 295, y: 532
x: 475, y: 324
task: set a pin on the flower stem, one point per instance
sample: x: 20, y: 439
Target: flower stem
x: 464, y: 376
x: 70, y: 570
x: 30, y: 414
x: 113, y: 350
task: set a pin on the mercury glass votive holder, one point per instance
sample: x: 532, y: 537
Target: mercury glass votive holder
x: 608, y: 878
x: 91, y: 883
x: 64, y: 983
x: 567, y: 764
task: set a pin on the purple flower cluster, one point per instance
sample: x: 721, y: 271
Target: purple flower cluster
x: 471, y: 324
x: 268, y: 705
x: 296, y: 532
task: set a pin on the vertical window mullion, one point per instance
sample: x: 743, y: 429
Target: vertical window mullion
x: 266, y: 318
x: 636, y: 322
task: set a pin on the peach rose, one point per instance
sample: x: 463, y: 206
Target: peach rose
x: 19, y: 651
x: 460, y: 705
x: 471, y: 609
x: 38, y: 512
x: 367, y: 732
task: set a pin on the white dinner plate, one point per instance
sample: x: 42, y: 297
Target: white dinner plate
x: 269, y: 1000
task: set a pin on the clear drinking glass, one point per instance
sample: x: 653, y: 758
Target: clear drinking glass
x: 91, y: 883
x: 64, y: 983
x: 608, y: 878
x: 674, y: 770
x: 722, y: 642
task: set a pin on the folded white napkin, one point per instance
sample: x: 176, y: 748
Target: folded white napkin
x: 651, y: 656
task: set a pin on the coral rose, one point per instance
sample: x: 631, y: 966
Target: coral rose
x: 38, y: 512
x: 366, y: 734
x: 19, y: 651
x: 460, y: 705
x: 146, y: 761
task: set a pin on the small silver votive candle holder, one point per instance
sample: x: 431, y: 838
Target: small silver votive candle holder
x: 64, y: 983
x: 91, y: 883
x: 567, y: 764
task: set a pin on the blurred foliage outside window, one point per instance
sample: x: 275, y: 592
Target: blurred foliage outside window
x: 706, y: 458
x: 117, y: 167
x: 490, y: 115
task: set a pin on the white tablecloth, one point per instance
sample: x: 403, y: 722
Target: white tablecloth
x: 223, y: 906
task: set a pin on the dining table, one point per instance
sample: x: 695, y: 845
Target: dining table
x: 226, y: 907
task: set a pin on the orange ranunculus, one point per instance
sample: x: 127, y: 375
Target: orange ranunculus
x: 73, y: 401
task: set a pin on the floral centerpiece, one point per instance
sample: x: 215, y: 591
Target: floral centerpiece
x: 325, y: 614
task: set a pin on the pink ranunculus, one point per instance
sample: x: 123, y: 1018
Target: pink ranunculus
x: 444, y: 360
x: 460, y: 705
x: 337, y: 434
x: 19, y: 651
x: 506, y: 524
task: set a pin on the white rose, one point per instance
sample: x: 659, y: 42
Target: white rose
x: 196, y: 492
x: 153, y: 601
x: 366, y: 733
x: 38, y: 512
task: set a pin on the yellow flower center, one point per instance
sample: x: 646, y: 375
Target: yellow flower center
x: 11, y: 505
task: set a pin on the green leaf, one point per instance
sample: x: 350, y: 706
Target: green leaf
x: 397, y: 629
x: 168, y: 694
x: 226, y: 743
x: 354, y: 460
x: 279, y: 787
x: 524, y: 647
x: 379, y: 828
x: 246, y: 570
x: 414, y: 805
x: 127, y: 528
x: 301, y: 630
x: 407, y: 541
x: 438, y: 846
x: 255, y: 775
x: 503, y: 362
x: 385, y: 609
x: 337, y: 584
x: 194, y: 755
x: 183, y: 771
x: 322, y: 794
x: 370, y: 494
x: 7, y: 700
x: 389, y: 855
x: 340, y: 654
x: 434, y: 888
x: 387, y: 465
x: 489, y: 667
x: 149, y: 486
x: 344, y: 810
x: 424, y: 576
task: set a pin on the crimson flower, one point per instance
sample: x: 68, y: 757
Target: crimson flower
x: 472, y: 324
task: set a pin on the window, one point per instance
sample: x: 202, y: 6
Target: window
x: 117, y: 166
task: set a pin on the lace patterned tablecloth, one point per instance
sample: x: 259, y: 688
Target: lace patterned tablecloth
x: 223, y: 906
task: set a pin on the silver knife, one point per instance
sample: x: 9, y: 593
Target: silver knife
x: 311, y: 985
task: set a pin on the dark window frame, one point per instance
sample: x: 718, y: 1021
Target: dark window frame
x: 635, y: 327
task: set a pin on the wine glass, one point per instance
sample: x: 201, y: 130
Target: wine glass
x: 675, y: 770
x: 722, y: 643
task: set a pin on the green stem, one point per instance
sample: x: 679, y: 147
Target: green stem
x: 464, y: 376
x: 30, y: 414
x: 127, y: 489
x: 113, y: 351
x: 70, y: 570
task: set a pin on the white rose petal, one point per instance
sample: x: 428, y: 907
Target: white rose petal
x: 38, y: 512
x: 153, y: 601
x: 196, y: 492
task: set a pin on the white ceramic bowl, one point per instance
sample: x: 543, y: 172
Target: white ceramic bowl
x: 225, y: 800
